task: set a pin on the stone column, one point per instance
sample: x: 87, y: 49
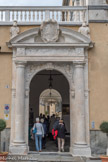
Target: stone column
x: 79, y: 104
x: 72, y: 121
x: 27, y: 90
x: 20, y: 104
x: 80, y: 147
x: 13, y: 102
x: 46, y: 107
x: 19, y: 145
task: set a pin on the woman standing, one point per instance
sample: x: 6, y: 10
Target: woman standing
x: 61, y: 135
x: 38, y: 135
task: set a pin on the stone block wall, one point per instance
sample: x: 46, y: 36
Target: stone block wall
x: 5, y: 139
x: 98, y: 141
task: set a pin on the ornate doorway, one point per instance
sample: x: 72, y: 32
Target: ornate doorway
x: 66, y: 53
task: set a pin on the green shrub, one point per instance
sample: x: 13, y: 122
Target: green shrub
x: 104, y: 127
x: 2, y: 124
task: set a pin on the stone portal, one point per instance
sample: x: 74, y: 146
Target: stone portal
x: 68, y: 54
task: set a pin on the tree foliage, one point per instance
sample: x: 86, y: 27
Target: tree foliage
x: 104, y: 127
x: 2, y: 124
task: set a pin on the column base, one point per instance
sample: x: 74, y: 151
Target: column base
x: 18, y: 149
x: 80, y: 150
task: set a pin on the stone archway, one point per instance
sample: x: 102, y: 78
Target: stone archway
x: 68, y: 54
x: 32, y: 70
x: 60, y: 90
x: 46, y: 99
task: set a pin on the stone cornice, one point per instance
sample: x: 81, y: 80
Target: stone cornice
x: 51, y: 45
x: 98, y: 7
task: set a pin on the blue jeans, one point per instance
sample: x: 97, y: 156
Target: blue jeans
x: 38, y: 142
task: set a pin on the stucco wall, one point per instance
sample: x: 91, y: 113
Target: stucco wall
x: 98, y: 74
x: 5, y: 83
x: 5, y: 36
x: 98, y: 71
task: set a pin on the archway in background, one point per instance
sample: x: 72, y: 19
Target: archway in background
x: 45, y: 93
x: 50, y: 102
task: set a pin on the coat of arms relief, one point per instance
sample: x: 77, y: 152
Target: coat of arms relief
x: 49, y: 31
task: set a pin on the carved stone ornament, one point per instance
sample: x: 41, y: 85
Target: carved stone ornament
x: 85, y: 30
x: 49, y: 31
x: 14, y: 30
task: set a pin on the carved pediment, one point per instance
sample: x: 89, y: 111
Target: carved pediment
x: 50, y: 32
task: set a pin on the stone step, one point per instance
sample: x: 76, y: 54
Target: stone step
x: 45, y: 157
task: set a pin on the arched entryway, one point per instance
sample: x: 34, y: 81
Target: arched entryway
x: 49, y: 94
x: 34, y: 52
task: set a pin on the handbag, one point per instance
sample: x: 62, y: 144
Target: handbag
x: 35, y: 130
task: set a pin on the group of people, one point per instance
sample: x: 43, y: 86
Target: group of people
x: 53, y: 127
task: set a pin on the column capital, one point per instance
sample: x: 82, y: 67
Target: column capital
x: 79, y: 64
x: 20, y: 63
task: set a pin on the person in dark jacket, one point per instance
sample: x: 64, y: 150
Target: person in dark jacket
x: 45, y: 132
x: 61, y: 135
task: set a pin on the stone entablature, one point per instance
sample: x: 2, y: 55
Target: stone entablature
x: 63, y: 53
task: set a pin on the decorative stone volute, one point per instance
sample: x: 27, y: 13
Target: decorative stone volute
x: 49, y: 31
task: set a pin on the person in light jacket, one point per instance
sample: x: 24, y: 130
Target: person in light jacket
x: 38, y: 135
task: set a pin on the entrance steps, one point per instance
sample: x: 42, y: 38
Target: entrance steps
x: 45, y: 157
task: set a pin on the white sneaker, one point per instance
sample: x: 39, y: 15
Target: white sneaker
x: 62, y: 149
